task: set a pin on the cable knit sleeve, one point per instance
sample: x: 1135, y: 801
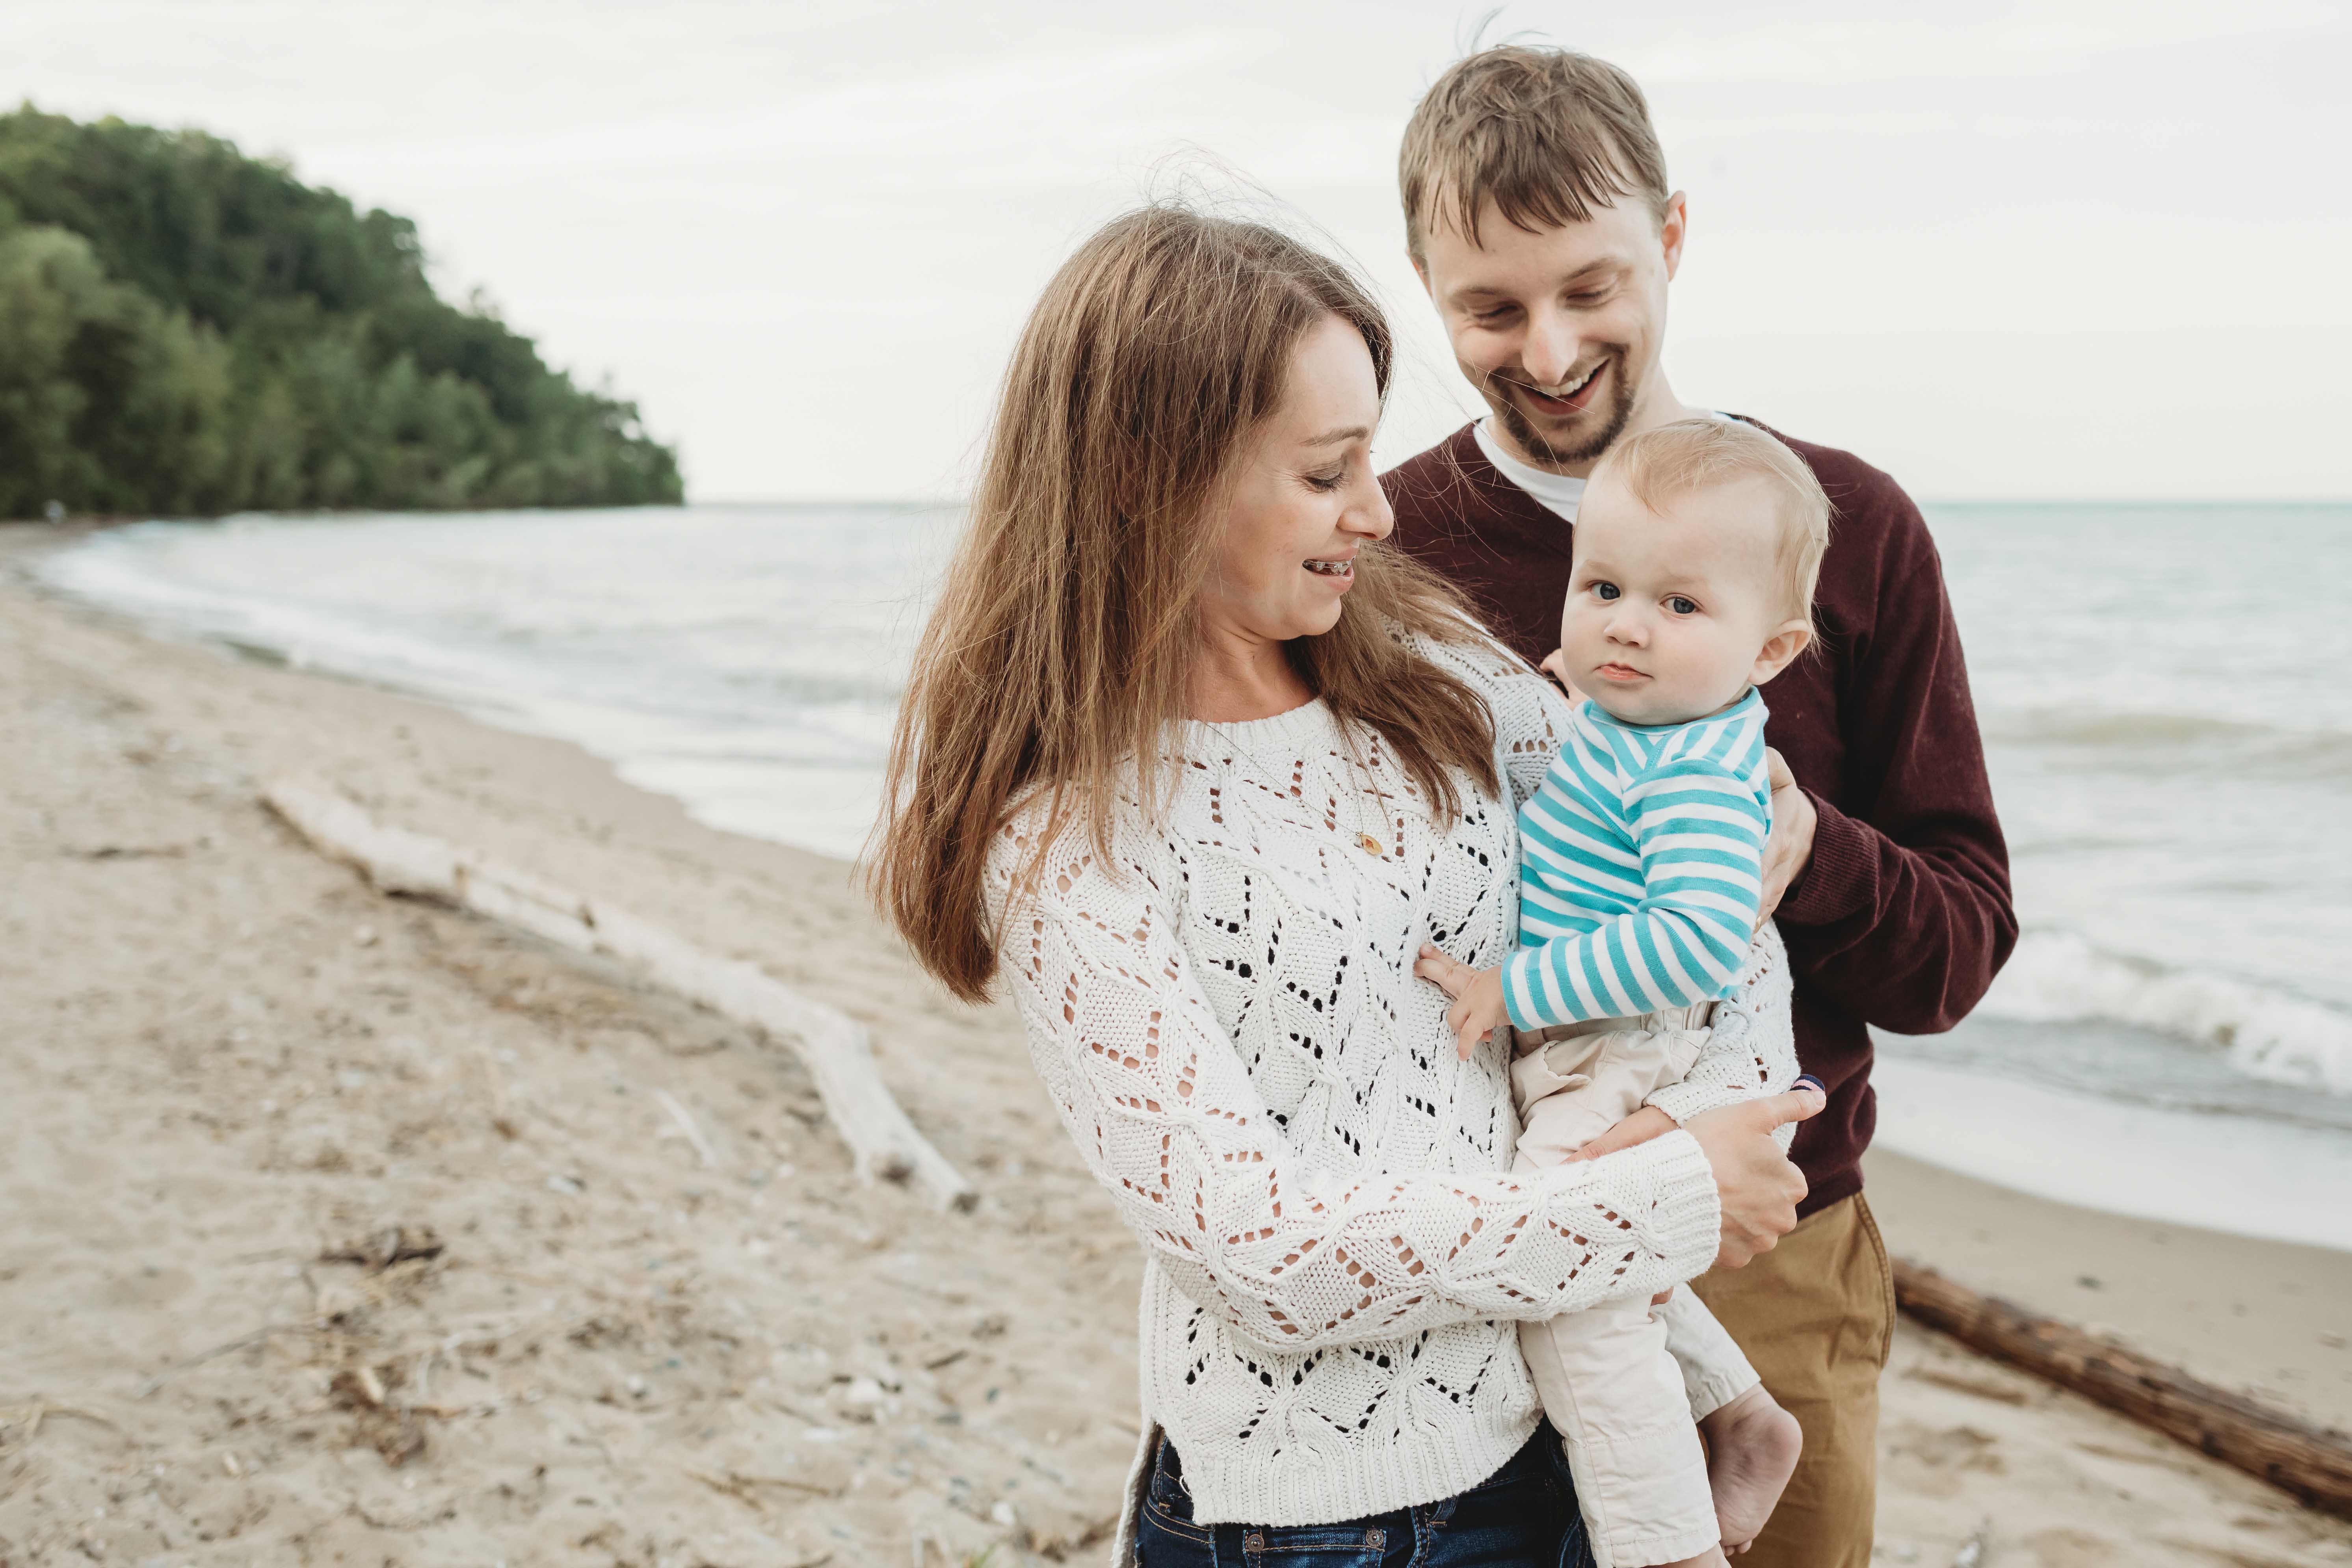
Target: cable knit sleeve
x: 1751, y: 1048
x: 1294, y: 1255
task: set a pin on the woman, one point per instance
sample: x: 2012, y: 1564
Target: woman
x: 1196, y: 765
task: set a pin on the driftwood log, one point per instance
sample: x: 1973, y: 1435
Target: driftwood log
x: 833, y: 1046
x: 2314, y: 1465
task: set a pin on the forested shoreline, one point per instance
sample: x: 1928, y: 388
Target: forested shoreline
x: 188, y: 331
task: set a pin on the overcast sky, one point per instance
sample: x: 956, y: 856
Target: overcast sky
x: 2067, y: 248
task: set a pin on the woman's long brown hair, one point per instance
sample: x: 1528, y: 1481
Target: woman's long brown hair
x: 1064, y: 642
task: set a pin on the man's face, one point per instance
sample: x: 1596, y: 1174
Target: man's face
x: 1559, y: 330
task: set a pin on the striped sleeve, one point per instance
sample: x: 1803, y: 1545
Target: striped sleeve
x: 1699, y: 831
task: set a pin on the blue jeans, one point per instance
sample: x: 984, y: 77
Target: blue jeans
x: 1522, y: 1516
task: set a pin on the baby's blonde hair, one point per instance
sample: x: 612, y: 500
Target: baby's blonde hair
x: 1688, y: 454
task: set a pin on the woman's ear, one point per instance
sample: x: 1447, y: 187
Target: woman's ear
x: 1780, y: 650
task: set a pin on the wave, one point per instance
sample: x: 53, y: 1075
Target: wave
x: 2179, y: 742
x: 470, y: 656
x: 2057, y: 976
x: 2251, y: 1177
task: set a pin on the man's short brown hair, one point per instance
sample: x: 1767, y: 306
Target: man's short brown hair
x: 1548, y: 135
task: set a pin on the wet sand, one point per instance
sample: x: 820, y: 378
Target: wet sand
x: 2267, y: 1319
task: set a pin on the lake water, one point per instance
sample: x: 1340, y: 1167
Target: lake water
x: 2162, y: 690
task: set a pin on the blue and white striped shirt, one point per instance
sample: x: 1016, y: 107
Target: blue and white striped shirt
x: 1640, y: 867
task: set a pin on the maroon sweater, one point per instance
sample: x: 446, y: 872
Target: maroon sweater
x: 1902, y: 916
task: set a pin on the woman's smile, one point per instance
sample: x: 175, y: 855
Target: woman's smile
x: 1339, y: 570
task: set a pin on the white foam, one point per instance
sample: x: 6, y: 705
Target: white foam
x: 2057, y: 976
x: 2247, y: 1176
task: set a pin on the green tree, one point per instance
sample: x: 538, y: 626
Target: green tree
x: 185, y: 330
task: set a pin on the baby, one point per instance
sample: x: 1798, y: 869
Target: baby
x: 1697, y: 546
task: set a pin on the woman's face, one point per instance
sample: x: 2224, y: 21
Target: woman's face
x: 1305, y: 499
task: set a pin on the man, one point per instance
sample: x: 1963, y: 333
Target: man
x: 1540, y: 219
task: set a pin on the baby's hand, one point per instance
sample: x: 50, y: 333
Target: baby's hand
x: 1477, y: 1010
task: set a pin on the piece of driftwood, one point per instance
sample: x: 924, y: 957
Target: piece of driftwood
x: 2315, y: 1464
x: 833, y: 1045
x: 381, y: 1249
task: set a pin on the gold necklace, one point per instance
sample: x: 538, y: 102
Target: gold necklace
x: 1364, y: 839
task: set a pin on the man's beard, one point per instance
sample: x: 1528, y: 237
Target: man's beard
x: 1523, y: 432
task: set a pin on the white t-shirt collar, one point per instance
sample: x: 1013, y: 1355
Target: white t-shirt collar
x: 1557, y: 493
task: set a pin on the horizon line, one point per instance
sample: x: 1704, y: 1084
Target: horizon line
x: 2343, y: 501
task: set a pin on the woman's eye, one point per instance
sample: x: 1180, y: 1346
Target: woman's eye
x: 1682, y: 606
x: 1327, y: 482
x: 1604, y: 591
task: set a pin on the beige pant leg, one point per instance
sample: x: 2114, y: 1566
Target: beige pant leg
x: 1572, y: 1089
x: 1715, y: 1370
x: 1615, y: 1394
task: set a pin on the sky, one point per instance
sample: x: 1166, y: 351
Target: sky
x: 2073, y: 249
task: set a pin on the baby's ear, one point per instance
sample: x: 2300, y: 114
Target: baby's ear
x: 1780, y: 650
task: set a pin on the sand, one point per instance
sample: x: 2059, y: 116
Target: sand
x: 223, y: 1059
x: 2267, y: 1319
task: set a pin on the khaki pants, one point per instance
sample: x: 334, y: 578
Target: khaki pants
x: 1816, y: 1315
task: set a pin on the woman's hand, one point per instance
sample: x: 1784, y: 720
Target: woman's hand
x: 1759, y: 1188
x: 1477, y: 1010
x: 1644, y: 1125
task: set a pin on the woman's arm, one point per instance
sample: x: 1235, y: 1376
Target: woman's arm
x: 1165, y: 1114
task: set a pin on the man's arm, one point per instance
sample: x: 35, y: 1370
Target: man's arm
x: 1901, y: 915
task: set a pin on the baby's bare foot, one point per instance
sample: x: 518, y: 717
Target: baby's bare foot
x: 1751, y: 1450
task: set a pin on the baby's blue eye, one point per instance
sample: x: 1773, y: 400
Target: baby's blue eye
x: 1682, y: 606
x: 1604, y: 590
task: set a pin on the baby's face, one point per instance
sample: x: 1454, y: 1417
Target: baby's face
x: 1670, y: 616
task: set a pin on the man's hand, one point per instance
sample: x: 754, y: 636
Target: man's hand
x: 1791, y: 843
x: 1477, y: 1010
x: 1555, y: 664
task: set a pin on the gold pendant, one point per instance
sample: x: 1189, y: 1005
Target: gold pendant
x: 1371, y: 845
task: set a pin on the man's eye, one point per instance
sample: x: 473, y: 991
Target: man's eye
x: 1682, y: 606
x: 1604, y: 591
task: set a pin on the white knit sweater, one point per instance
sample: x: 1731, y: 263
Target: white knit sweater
x: 1224, y: 1013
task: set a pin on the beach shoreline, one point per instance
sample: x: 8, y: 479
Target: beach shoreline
x: 227, y: 1054
x: 2270, y: 1320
